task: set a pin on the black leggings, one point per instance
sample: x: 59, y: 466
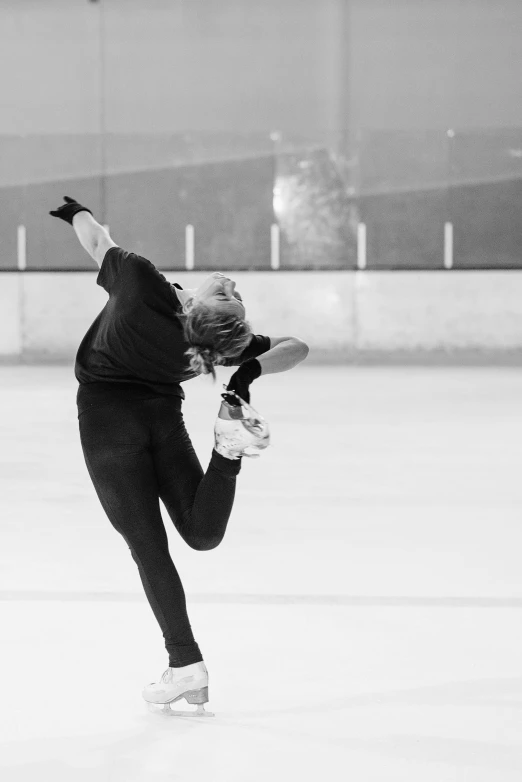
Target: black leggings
x: 137, y: 451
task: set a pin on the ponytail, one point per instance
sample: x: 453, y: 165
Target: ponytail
x: 202, y: 360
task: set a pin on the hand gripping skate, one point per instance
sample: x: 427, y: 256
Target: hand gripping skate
x: 240, y: 430
x: 190, y: 683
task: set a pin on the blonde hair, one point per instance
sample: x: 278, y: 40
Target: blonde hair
x: 214, y: 334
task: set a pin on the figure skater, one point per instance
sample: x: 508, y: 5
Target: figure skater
x: 149, y: 338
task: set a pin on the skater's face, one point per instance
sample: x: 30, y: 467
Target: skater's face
x: 217, y: 291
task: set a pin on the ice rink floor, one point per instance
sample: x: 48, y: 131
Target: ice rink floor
x: 361, y: 621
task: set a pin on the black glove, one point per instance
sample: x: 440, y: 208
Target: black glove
x: 241, y: 380
x: 69, y: 209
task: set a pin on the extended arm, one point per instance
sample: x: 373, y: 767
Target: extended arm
x: 93, y: 237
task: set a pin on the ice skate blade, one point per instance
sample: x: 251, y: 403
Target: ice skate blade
x: 165, y: 710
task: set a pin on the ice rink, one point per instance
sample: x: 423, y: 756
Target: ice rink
x: 361, y: 620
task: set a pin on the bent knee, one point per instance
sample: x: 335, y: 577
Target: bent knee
x: 204, y: 543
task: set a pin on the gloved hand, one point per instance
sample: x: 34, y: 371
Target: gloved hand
x: 241, y: 380
x: 69, y: 209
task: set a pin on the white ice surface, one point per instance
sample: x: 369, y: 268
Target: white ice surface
x: 361, y: 620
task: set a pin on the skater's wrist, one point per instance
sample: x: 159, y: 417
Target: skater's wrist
x: 250, y: 370
x: 243, y: 377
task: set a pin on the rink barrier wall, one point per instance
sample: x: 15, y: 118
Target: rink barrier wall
x: 11, y: 315
x: 343, y: 315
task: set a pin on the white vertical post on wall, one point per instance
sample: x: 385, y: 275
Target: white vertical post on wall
x: 275, y: 246
x: 361, y: 246
x: 21, y: 248
x: 448, y: 245
x: 189, y: 247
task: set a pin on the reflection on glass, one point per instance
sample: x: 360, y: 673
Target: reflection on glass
x: 315, y: 212
x: 404, y: 186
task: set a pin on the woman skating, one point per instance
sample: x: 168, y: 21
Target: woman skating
x: 150, y: 337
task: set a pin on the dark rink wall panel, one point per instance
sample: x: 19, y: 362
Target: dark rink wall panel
x: 180, y: 103
x: 228, y: 203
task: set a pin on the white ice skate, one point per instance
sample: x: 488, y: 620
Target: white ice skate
x: 189, y: 682
x: 240, y: 430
